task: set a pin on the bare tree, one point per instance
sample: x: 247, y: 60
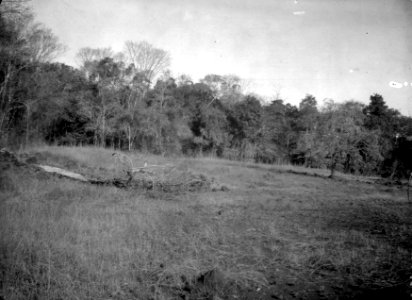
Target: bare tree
x: 42, y: 45
x: 87, y: 55
x: 184, y: 79
x: 146, y: 58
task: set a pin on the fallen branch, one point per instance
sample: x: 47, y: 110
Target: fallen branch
x: 179, y: 181
x: 63, y: 172
x: 139, y: 169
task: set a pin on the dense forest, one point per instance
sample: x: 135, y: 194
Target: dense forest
x: 130, y: 101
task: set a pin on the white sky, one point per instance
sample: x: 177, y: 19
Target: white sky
x: 339, y: 49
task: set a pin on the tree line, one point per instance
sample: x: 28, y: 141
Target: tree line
x: 130, y: 101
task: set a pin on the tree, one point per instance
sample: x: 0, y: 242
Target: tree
x: 24, y: 46
x: 13, y: 7
x: 386, y: 123
x: 308, y: 113
x: 195, y: 102
x: 307, y: 146
x: 61, y: 115
x: 226, y: 88
x: 401, y: 155
x: 163, y: 90
x: 106, y: 76
x: 43, y: 45
x: 245, y: 123
x: 88, y: 55
x: 278, y: 132
x: 344, y: 141
x: 133, y: 109
x: 146, y: 58
x: 12, y: 60
x: 184, y: 79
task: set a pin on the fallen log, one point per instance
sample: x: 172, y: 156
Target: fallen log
x: 168, y: 181
x: 63, y: 173
x: 195, y: 183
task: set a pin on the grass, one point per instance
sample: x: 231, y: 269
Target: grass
x: 272, y: 235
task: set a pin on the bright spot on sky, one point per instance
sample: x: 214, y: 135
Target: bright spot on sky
x: 405, y: 83
x: 395, y: 85
x: 299, y: 13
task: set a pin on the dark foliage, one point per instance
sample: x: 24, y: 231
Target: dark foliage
x: 109, y: 102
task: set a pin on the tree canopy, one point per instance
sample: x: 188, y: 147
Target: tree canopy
x: 130, y: 100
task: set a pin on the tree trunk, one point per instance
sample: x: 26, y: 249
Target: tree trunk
x: 95, y: 139
x: 103, y: 136
x: 332, y: 171
x: 27, y: 124
x: 308, y: 159
x: 347, y: 164
x: 129, y: 137
x: 332, y: 166
x: 394, y: 169
x: 6, y: 97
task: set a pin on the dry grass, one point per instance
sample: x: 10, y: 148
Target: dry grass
x: 272, y: 235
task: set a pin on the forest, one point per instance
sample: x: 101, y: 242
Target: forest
x: 131, y: 101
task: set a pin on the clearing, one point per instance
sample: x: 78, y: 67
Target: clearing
x: 265, y: 233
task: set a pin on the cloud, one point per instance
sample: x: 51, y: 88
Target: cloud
x: 299, y: 13
x: 187, y: 16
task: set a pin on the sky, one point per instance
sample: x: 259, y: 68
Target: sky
x: 335, y: 49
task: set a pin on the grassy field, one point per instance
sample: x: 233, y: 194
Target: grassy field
x: 271, y: 235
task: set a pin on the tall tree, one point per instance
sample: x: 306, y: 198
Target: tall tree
x: 87, y: 55
x: 385, y: 121
x: 278, y: 133
x: 345, y: 143
x: 149, y: 60
x: 245, y: 119
x: 106, y: 76
x: 308, y: 113
x: 43, y: 45
x: 23, y: 45
x: 226, y: 88
x: 308, y: 127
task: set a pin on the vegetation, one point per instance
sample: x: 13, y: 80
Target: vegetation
x: 277, y: 227
x: 130, y: 101
x: 299, y: 237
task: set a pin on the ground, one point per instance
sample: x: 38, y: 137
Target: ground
x: 271, y: 233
